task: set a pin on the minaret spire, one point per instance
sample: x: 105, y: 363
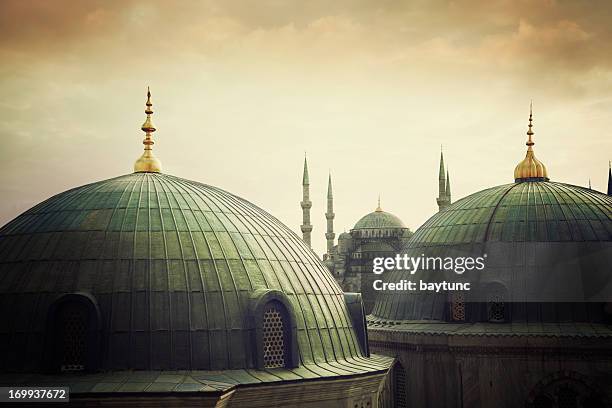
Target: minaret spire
x: 610, y: 178
x: 379, y: 208
x: 306, y: 204
x: 443, y: 185
x: 148, y: 163
x: 530, y: 131
x: 448, y: 189
x: 329, y: 215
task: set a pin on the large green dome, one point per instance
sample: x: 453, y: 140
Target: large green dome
x: 526, y: 228
x: 530, y: 211
x: 177, y: 270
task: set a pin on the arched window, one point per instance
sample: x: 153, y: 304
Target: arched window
x: 274, y: 336
x: 543, y: 401
x: 496, y: 303
x: 399, y: 386
x: 73, y: 327
x: 275, y: 331
x: 457, y: 307
x: 567, y: 390
x: 567, y: 398
x: 496, y: 308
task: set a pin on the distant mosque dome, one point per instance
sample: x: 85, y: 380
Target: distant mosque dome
x: 152, y: 271
x: 564, y: 230
x: 379, y: 219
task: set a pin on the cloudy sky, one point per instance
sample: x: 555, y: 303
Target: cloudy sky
x: 370, y: 89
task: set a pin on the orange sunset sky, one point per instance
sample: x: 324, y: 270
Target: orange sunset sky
x: 370, y: 89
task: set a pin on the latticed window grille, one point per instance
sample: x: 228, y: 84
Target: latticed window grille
x: 458, y: 307
x: 567, y: 398
x: 497, y: 307
x: 543, y: 401
x: 73, y: 325
x: 273, y: 338
x: 399, y: 380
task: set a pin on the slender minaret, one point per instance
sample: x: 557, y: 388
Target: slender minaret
x: 329, y: 235
x: 443, y: 196
x: 448, y: 191
x: 306, y: 204
x: 610, y: 178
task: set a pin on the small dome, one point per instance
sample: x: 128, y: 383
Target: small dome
x: 344, y: 235
x: 379, y: 219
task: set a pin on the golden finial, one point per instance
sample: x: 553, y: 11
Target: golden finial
x: 378, y: 209
x: 530, y: 169
x: 148, y: 162
x: 530, y: 131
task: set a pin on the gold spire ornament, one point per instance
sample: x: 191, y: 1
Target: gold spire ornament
x: 530, y: 169
x: 148, y: 163
x: 378, y: 209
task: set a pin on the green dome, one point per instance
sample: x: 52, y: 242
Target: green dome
x: 175, y: 267
x: 530, y: 211
x: 530, y: 231
x: 379, y: 220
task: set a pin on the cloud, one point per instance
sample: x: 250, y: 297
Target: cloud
x: 270, y: 78
x: 518, y: 37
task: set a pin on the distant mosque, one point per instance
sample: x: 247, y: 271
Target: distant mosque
x: 379, y: 233
x: 455, y: 350
x: 148, y: 289
x: 376, y: 234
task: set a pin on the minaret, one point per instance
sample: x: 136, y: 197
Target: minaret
x: 443, y: 197
x: 609, y: 178
x: 329, y: 235
x: 448, y: 190
x: 148, y: 163
x: 306, y: 204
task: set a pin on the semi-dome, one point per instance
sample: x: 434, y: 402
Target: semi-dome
x: 151, y: 271
x: 344, y: 235
x: 542, y: 240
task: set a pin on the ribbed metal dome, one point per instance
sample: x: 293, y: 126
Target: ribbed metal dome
x: 526, y: 228
x: 529, y: 211
x: 378, y: 220
x: 172, y: 264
